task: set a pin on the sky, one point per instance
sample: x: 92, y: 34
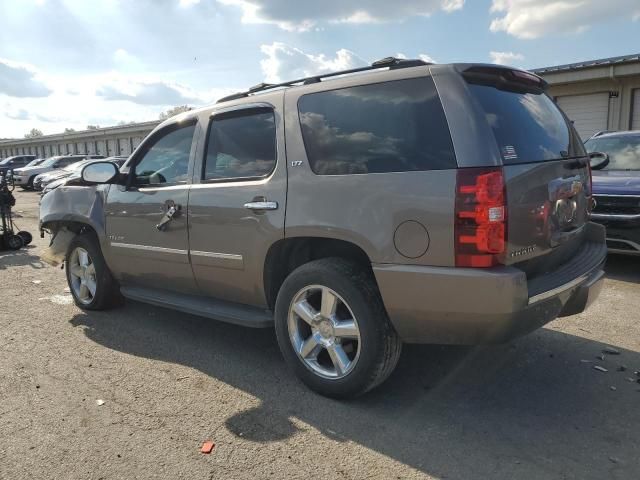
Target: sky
x: 73, y: 63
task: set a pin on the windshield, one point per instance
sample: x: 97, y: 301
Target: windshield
x: 35, y: 162
x: 623, y: 151
x: 75, y: 166
x: 5, y: 161
x: 49, y: 162
x: 528, y: 127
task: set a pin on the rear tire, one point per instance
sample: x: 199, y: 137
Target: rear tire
x: 90, y: 281
x: 341, y: 347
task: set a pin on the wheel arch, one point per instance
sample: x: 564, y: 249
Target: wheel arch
x: 287, y: 254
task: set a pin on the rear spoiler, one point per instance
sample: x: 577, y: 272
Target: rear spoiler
x: 503, y: 78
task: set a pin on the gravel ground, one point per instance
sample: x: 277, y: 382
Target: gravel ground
x: 532, y: 409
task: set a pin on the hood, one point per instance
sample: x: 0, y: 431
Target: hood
x: 616, y: 182
x: 33, y: 170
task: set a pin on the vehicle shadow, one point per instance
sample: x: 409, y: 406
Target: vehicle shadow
x: 531, y: 409
x: 26, y: 256
x: 625, y: 268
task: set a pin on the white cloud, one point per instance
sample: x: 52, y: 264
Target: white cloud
x: 148, y: 93
x: 286, y: 62
x: 20, y: 80
x: 536, y: 18
x: 305, y: 15
x: 505, y: 58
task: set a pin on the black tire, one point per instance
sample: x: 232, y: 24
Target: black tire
x: 14, y: 242
x: 26, y: 236
x: 107, y: 294
x: 30, y: 183
x: 380, y: 346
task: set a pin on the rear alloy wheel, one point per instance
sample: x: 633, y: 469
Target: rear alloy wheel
x: 333, y: 329
x: 324, y: 332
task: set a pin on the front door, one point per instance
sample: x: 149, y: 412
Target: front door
x: 237, y: 202
x: 146, y: 221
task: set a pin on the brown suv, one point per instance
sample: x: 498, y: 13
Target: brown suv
x: 403, y: 202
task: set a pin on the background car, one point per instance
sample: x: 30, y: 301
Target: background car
x: 17, y: 161
x: 616, y: 189
x: 26, y: 176
x: 73, y: 176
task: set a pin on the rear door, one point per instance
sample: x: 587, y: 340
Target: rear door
x: 237, y: 203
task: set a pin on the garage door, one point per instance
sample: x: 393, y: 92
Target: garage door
x: 589, y: 113
x: 635, y: 112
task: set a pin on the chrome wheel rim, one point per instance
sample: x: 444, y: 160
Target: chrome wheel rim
x: 324, y: 332
x: 82, y: 276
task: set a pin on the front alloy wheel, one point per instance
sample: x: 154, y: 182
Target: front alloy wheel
x: 82, y: 275
x: 324, y: 332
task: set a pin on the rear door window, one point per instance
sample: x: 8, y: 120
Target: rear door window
x: 395, y: 126
x: 528, y: 127
x: 241, y: 145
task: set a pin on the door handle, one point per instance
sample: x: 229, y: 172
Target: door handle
x: 172, y: 210
x: 264, y: 205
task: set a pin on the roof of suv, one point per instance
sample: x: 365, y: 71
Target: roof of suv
x: 371, y: 72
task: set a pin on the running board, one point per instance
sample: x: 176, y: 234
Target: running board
x: 229, y: 312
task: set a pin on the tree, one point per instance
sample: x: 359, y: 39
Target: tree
x: 69, y: 130
x: 93, y: 127
x: 174, y: 111
x: 33, y: 133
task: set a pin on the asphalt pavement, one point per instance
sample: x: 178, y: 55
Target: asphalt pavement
x: 134, y: 392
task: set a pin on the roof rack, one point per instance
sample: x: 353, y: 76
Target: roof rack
x: 391, y: 63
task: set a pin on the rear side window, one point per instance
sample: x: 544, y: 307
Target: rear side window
x: 528, y: 127
x: 396, y: 126
x: 241, y: 144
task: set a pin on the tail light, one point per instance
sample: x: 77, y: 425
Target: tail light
x: 481, y: 217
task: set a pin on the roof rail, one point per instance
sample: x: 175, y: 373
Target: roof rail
x: 391, y: 63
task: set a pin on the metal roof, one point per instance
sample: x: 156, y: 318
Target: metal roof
x: 589, y: 64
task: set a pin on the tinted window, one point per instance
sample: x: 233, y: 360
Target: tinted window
x: 528, y: 127
x: 387, y: 127
x: 241, y: 145
x: 623, y: 151
x: 166, y: 160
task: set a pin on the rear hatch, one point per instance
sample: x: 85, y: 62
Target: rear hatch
x: 545, y: 167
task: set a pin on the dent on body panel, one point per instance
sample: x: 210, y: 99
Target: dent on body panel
x: 78, y: 204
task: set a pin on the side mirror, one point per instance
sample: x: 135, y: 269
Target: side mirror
x: 598, y: 160
x: 99, y: 172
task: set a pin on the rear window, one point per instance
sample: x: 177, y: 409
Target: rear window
x: 528, y: 127
x: 396, y: 126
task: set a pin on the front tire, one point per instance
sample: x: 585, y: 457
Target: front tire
x: 90, y: 281
x: 333, y: 330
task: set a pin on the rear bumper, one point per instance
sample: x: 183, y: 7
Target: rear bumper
x: 468, y: 306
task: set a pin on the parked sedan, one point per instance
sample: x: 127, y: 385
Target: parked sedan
x: 44, y: 179
x: 12, y: 163
x: 26, y: 176
x: 74, y: 177
x: 616, y: 189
